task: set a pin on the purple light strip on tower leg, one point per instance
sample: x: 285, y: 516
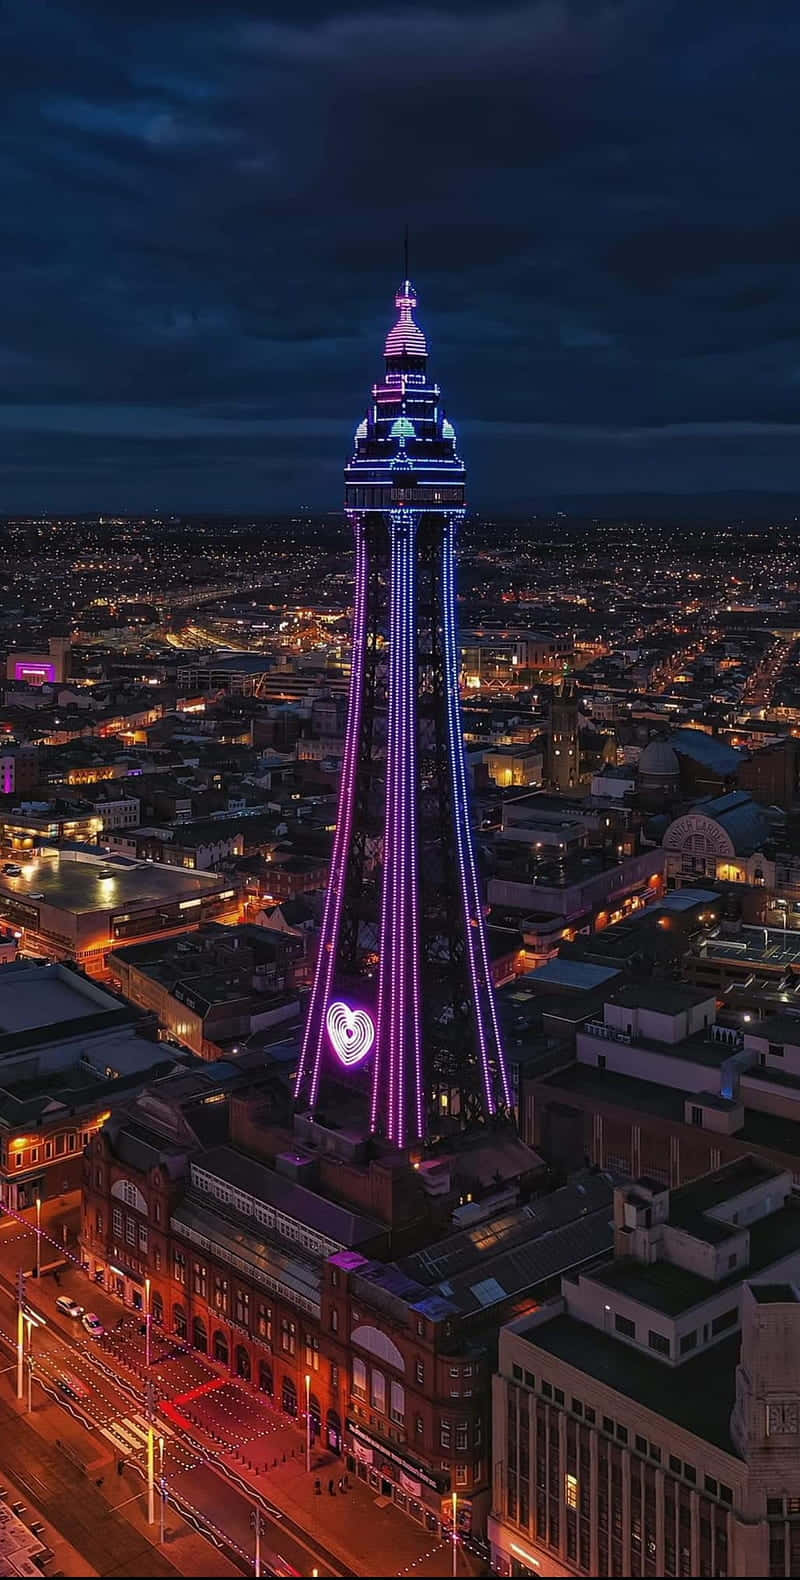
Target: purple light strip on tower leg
x: 399, y: 1017
x: 329, y: 932
x: 492, y: 1066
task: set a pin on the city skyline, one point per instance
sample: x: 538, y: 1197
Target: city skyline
x: 199, y: 221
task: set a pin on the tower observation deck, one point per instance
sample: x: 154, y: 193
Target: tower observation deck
x: 402, y: 996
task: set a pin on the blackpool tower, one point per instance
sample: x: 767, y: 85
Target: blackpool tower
x: 402, y: 996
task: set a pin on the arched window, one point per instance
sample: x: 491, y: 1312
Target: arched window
x: 199, y: 1335
x: 315, y: 1412
x: 334, y: 1431
x: 221, y: 1347
x: 242, y: 1363
x: 157, y: 1308
x: 265, y: 1381
x: 179, y: 1321
x: 289, y: 1397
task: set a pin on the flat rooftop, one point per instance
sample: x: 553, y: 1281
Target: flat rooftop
x: 34, y: 997
x: 698, y: 1395
x: 77, y: 886
x: 662, y: 998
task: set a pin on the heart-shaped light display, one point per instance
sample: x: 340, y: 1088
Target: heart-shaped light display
x: 352, y: 1032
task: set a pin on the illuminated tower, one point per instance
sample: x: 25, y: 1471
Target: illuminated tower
x: 402, y: 994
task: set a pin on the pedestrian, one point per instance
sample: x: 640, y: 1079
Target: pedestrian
x: 331, y: 1488
x: 318, y: 1487
x: 57, y: 1275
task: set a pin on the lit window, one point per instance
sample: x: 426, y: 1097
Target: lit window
x: 571, y: 1491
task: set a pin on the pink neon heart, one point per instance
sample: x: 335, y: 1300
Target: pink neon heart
x: 351, y: 1031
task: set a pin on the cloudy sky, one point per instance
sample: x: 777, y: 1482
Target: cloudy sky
x: 202, y: 215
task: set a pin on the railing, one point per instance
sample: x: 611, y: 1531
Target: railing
x: 598, y: 1028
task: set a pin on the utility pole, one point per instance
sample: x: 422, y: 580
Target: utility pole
x: 151, y: 1455
x: 20, y: 1330
x: 255, y: 1519
x: 163, y: 1484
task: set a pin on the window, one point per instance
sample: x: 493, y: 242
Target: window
x: 732, y: 1259
x: 157, y: 1212
x: 590, y: 1415
x: 725, y: 1493
x: 312, y: 1352
x: 726, y: 1319
x: 98, y: 1223
x: 675, y: 1464
x: 359, y: 1378
x: 48, y: 1150
x: 571, y: 1491
x: 608, y: 1425
x: 34, y: 1154
x: 377, y: 1396
x: 421, y: 1327
x: 710, y: 1485
x: 689, y: 1471
x: 697, y: 1115
x: 547, y: 1389
x: 130, y: 1231
x: 288, y: 1336
x: 116, y: 1221
x: 71, y: 1141
x: 156, y: 1259
x: 334, y: 1377
x: 334, y: 1319
x: 530, y: 1380
x: 558, y: 1395
x: 622, y: 1433
x: 398, y: 1402
x: 242, y: 1308
x: 658, y: 1342
x: 18, y: 1160
x: 179, y: 1267
x: 143, y: 1237
x: 641, y: 1444
x: 775, y: 1050
x: 577, y: 1407
x: 419, y: 1372
x: 264, y: 1322
x: 445, y: 1434
x: 655, y: 1453
x: 200, y: 1279
x: 688, y: 1342
x: 462, y: 1472
x: 624, y: 1325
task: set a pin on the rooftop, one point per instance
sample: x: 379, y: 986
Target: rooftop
x: 326, y: 1217
x: 78, y: 886
x: 701, y: 1403
x: 662, y: 998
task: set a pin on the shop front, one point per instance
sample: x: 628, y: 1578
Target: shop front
x: 392, y: 1474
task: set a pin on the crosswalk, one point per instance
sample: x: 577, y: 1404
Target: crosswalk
x: 128, y: 1434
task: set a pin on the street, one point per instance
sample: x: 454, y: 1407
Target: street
x: 226, y: 1448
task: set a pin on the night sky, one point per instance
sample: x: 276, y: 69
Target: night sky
x: 202, y: 215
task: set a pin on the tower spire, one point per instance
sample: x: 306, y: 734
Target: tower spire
x: 405, y: 253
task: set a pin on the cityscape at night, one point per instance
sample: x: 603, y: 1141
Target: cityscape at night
x: 399, y: 791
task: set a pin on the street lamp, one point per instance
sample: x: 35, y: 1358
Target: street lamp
x: 308, y: 1421
x: 455, y: 1530
x: 147, y: 1323
x: 163, y: 1484
x: 38, y: 1235
x: 29, y: 1322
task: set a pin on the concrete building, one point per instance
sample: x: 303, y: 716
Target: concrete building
x: 646, y: 1423
x: 74, y: 905
x: 70, y: 1052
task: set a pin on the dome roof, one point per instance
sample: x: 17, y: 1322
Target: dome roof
x: 406, y: 338
x: 659, y: 761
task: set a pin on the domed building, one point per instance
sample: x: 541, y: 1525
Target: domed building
x: 721, y: 837
x: 659, y: 769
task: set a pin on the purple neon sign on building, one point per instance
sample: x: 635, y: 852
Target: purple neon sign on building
x: 403, y: 926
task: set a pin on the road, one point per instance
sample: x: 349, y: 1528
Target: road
x: 112, y: 1406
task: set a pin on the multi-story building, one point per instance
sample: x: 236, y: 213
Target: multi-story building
x: 213, y: 987
x: 657, y: 1083
x: 647, y: 1421
x: 292, y: 1263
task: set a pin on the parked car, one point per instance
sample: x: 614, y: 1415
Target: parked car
x: 69, y: 1307
x: 11, y: 869
x: 92, y: 1324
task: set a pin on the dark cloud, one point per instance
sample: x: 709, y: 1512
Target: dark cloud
x: 202, y: 211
